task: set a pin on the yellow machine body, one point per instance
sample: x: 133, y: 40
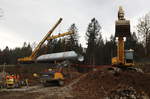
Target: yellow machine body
x: 11, y: 81
x: 121, y: 60
x: 120, y: 50
x: 50, y: 78
x: 58, y: 75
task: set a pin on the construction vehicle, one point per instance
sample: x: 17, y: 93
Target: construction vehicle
x: 55, y: 75
x: 33, y: 56
x: 52, y: 77
x: 12, y: 81
x: 122, y: 29
x: 8, y: 80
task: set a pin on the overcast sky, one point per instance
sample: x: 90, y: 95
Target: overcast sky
x: 30, y: 20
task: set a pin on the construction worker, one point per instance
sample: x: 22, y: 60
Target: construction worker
x: 27, y: 84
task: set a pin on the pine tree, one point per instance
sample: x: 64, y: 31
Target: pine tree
x: 26, y: 50
x: 99, y: 50
x: 6, y: 55
x: 131, y: 42
x: 1, y: 55
x: 92, y: 33
x: 72, y: 40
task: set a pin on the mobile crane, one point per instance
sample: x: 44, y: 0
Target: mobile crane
x: 122, y: 29
x: 33, y: 56
x: 51, y: 76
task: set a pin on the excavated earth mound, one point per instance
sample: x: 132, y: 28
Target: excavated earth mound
x: 109, y: 84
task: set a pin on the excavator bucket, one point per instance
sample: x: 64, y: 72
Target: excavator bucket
x: 122, y: 28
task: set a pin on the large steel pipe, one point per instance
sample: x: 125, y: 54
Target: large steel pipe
x: 69, y: 55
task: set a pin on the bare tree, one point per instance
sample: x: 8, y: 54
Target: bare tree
x: 143, y: 29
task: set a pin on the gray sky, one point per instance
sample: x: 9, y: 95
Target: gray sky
x: 30, y: 20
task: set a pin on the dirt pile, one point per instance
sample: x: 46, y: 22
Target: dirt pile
x: 145, y: 67
x: 113, y: 85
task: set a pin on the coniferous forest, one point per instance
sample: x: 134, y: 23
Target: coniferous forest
x: 99, y: 51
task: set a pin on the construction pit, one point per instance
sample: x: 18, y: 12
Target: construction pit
x: 98, y: 83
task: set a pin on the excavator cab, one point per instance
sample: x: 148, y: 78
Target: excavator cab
x: 129, y: 57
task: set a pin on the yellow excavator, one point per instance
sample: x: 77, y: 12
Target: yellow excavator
x: 48, y: 36
x: 122, y: 29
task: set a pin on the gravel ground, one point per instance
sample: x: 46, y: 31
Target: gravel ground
x: 40, y: 92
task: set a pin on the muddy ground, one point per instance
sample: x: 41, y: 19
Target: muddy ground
x: 101, y: 83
